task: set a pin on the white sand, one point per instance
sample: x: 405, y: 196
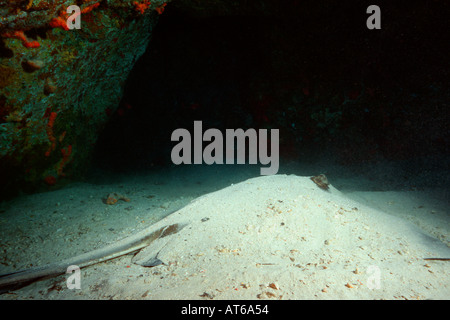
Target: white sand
x: 277, y: 237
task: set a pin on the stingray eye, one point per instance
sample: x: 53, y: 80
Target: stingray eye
x: 321, y: 181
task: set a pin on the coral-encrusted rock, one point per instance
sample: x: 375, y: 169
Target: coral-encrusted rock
x: 58, y: 86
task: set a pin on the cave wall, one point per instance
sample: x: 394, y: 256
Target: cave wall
x: 58, y: 87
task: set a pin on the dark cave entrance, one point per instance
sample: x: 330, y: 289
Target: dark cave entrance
x: 313, y: 71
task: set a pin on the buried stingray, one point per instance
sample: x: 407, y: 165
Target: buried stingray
x: 149, y: 236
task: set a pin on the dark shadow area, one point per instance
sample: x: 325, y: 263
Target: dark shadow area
x: 336, y: 90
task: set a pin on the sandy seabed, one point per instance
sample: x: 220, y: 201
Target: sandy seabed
x: 273, y: 237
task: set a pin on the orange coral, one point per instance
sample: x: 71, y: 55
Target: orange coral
x: 59, y: 22
x: 160, y: 9
x: 31, y: 44
x: 14, y: 116
x: 141, y: 7
x: 61, y: 136
x: 50, y: 180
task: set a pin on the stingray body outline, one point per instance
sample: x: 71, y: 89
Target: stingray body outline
x: 19, y: 279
